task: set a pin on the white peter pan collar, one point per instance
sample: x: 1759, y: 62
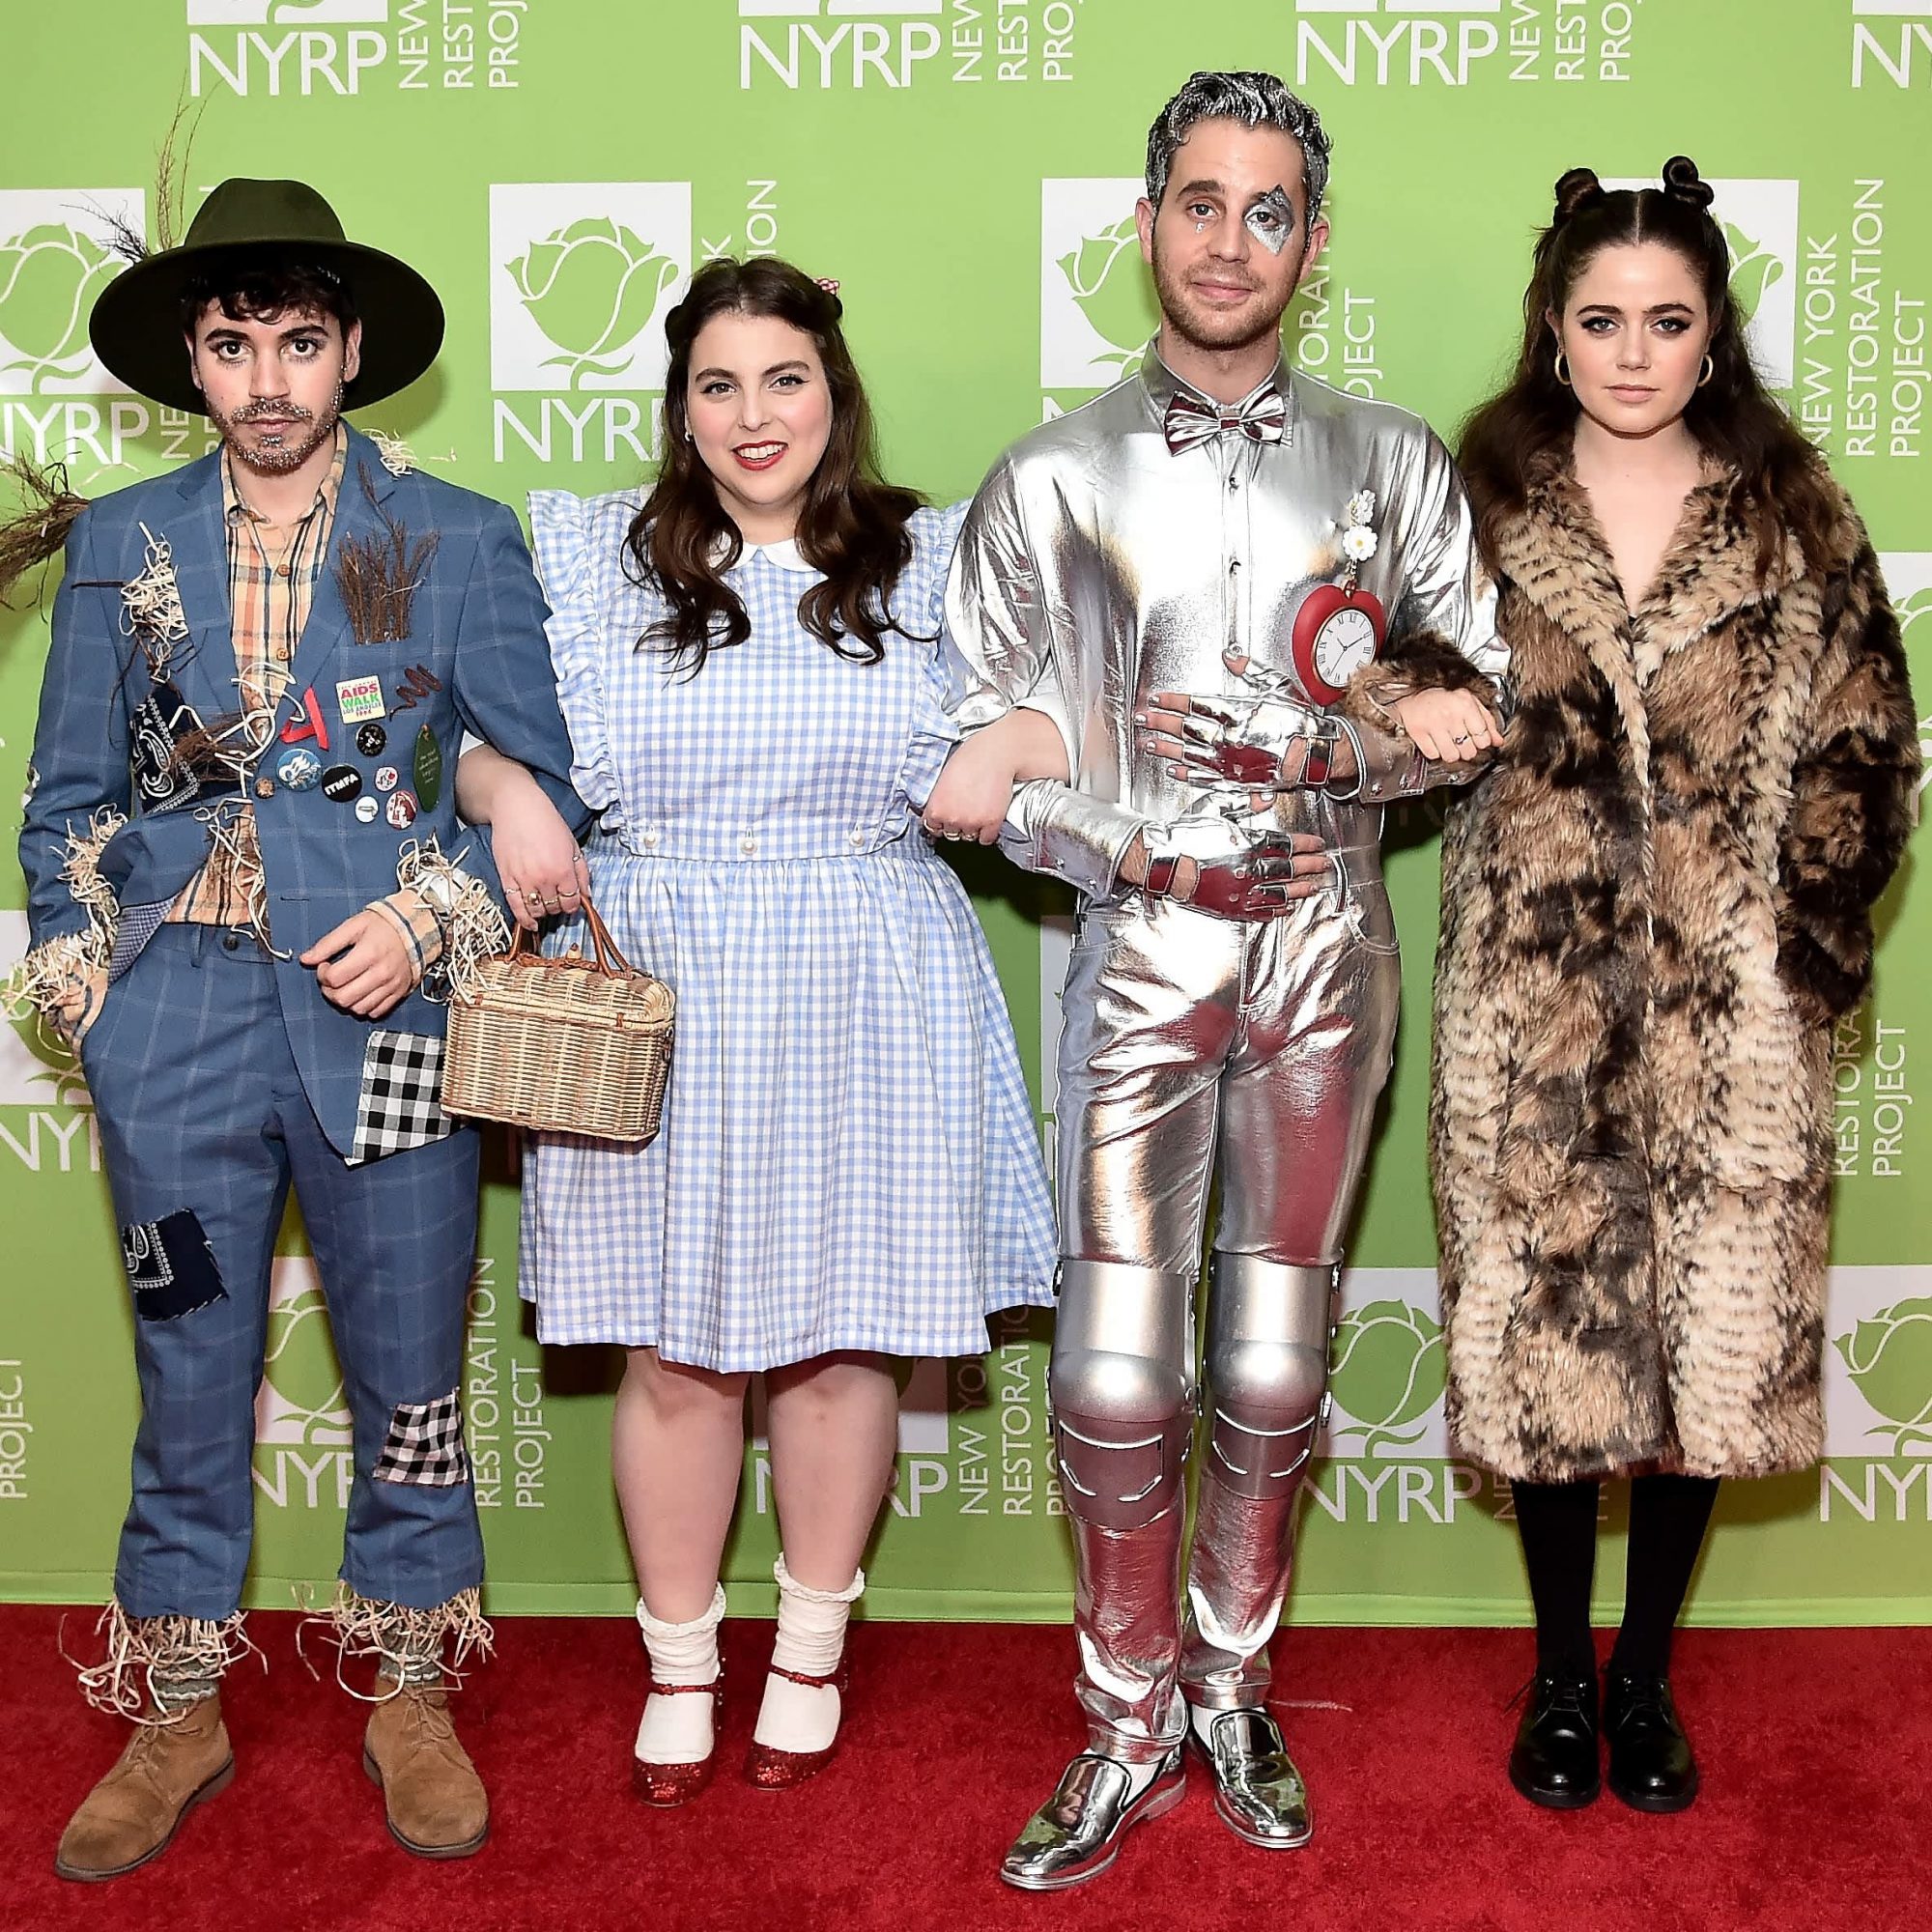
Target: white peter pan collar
x: 786, y: 556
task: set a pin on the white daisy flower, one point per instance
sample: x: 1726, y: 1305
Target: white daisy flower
x: 1361, y: 507
x: 1358, y: 544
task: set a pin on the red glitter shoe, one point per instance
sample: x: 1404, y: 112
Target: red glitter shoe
x: 767, y: 1768
x: 665, y: 1786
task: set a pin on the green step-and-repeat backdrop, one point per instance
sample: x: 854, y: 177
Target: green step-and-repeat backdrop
x: 967, y: 169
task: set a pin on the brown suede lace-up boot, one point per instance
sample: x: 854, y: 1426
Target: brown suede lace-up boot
x: 435, y: 1803
x: 169, y: 1766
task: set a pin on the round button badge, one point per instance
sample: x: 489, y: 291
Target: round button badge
x: 371, y: 741
x: 401, y: 810
x: 386, y: 778
x: 298, y: 769
x: 341, y: 782
x: 366, y: 811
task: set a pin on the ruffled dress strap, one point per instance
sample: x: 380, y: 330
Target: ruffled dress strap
x: 566, y: 533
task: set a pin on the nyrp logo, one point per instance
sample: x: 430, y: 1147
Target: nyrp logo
x: 300, y: 1401
x: 1892, y: 39
x: 55, y: 259
x: 1385, y: 1369
x: 328, y: 46
x: 805, y: 44
x: 582, y: 275
x: 1419, y: 43
x: 1096, y: 302
x: 1878, y: 1363
x: 830, y: 43
x: 1759, y: 219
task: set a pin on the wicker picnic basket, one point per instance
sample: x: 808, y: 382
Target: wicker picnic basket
x: 563, y: 1044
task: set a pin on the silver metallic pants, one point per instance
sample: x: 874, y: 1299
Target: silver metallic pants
x: 1195, y: 1047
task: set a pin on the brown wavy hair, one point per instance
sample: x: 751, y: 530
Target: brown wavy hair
x: 852, y: 526
x: 1731, y: 416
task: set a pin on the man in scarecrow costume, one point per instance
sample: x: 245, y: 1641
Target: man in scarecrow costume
x: 241, y: 852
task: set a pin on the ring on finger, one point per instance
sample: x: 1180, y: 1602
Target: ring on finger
x: 531, y: 896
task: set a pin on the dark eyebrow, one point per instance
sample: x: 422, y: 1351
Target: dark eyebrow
x: 1610, y: 308
x: 1201, y: 188
x: 777, y: 369
x: 315, y: 327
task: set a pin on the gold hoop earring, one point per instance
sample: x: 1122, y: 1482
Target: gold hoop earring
x: 1705, y: 374
x: 1561, y: 368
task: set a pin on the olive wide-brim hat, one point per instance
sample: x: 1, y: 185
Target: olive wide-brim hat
x: 136, y: 323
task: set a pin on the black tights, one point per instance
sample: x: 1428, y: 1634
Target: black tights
x: 1558, y: 1525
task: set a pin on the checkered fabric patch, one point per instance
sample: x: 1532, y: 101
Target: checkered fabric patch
x: 401, y: 1104
x: 137, y: 926
x: 425, y: 1444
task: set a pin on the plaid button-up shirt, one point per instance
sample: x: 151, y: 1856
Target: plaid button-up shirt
x: 273, y: 571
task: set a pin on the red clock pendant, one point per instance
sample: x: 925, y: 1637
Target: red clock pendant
x: 1336, y: 633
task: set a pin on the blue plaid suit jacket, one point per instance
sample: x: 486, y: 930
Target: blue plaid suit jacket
x: 477, y: 630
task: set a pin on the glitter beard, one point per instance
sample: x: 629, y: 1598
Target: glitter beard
x: 291, y: 457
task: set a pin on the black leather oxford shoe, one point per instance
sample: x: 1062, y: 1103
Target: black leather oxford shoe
x: 1553, y: 1761
x: 1651, y: 1764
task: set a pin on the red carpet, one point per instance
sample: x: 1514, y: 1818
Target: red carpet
x: 1806, y: 1818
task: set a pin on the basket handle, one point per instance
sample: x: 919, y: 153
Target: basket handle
x: 611, y: 961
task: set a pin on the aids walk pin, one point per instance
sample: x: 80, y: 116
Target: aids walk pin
x: 359, y: 700
x: 428, y: 769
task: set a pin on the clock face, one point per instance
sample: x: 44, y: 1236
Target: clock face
x: 1345, y: 643
x: 1336, y: 633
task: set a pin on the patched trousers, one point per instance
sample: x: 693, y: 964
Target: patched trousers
x: 204, y: 1126
x: 1193, y: 1049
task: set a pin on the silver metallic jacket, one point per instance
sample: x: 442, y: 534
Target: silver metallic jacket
x: 1098, y: 568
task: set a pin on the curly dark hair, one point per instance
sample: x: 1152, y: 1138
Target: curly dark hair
x: 1730, y: 415
x: 852, y: 526
x: 263, y: 288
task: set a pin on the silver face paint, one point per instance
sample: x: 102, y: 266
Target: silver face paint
x: 1271, y: 219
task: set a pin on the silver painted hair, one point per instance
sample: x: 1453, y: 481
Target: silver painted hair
x: 1256, y: 101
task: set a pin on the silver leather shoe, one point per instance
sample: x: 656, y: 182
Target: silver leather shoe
x: 1258, y: 1793
x: 1076, y: 1835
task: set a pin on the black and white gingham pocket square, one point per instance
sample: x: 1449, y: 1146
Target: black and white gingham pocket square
x: 401, y: 1103
x: 425, y: 1444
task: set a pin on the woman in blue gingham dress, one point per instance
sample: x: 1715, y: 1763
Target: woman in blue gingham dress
x: 848, y: 1167
x: 848, y: 1157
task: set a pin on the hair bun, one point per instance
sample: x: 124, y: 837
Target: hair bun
x: 1683, y: 182
x: 1575, y: 189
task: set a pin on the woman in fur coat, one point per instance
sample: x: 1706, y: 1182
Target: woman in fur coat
x: 1654, y: 910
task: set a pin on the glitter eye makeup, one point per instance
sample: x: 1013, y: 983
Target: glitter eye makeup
x: 1271, y: 219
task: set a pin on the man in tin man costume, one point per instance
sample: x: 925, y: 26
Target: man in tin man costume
x: 1249, y: 603
x: 240, y: 851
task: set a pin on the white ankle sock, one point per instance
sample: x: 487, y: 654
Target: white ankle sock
x: 811, y: 1640
x: 1201, y: 1716
x: 679, y: 1730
